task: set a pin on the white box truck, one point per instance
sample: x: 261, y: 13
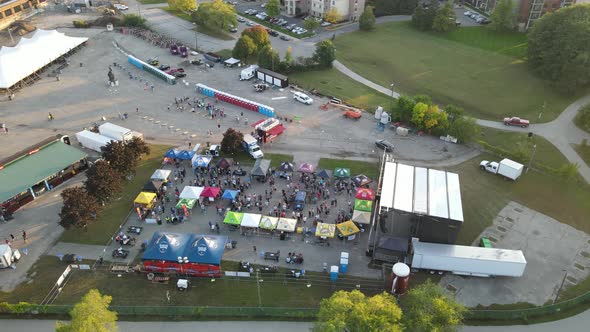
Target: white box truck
x: 115, y: 132
x: 8, y: 256
x: 248, y: 73
x: 465, y: 260
x: 92, y: 141
x: 251, y: 146
x: 506, y: 167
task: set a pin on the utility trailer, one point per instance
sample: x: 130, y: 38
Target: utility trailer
x: 92, y: 141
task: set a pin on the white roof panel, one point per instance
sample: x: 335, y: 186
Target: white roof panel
x: 480, y: 253
x: 388, y: 185
x: 421, y: 190
x: 404, y: 188
x: 454, y: 190
x: 250, y: 220
x: 437, y: 194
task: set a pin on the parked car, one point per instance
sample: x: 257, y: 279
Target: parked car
x: 120, y: 6
x: 300, y: 32
x: 164, y: 67
x: 325, y: 24
x: 384, y: 145
x: 486, y: 21
x: 250, y: 23
x: 263, y: 5
x: 241, y: 19
x: 302, y: 98
x: 233, y: 29
x: 272, y: 32
x: 291, y: 26
x: 467, y: 13
x: 516, y: 121
x: 285, y: 38
x: 253, y: 12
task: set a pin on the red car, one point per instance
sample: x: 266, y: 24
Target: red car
x: 514, y: 121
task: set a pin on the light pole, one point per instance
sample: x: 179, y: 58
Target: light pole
x: 196, y: 40
x: 391, y: 87
x: 532, y: 157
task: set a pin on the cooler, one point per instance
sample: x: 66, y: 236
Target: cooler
x: 343, y: 265
x: 333, y: 273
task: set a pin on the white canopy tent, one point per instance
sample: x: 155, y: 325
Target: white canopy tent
x: 250, y: 220
x: 191, y: 192
x: 161, y: 174
x: 32, y: 54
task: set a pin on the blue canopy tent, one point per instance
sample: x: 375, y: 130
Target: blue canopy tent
x: 200, y: 161
x: 172, y: 153
x: 230, y: 194
x: 185, y: 155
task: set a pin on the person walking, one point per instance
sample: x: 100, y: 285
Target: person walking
x: 12, y: 237
x: 24, y: 236
x: 50, y: 116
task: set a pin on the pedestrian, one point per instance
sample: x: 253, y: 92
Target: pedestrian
x: 24, y: 236
x: 137, y: 110
x: 217, y: 227
x: 12, y: 237
x: 190, y: 144
x: 254, y: 248
x: 50, y: 116
x: 210, y: 224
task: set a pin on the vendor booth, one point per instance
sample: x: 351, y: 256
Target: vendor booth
x: 225, y: 162
x: 365, y: 193
x: 200, y: 161
x: 230, y: 194
x: 190, y: 254
x: 260, y: 169
x: 268, y: 129
x: 324, y: 230
x: 153, y: 186
x: 348, y: 229
x: 361, y: 180
x: 306, y: 168
x: 323, y: 174
x: 191, y: 192
x: 232, y: 62
x: 361, y: 217
x: 341, y: 172
x: 161, y: 175
x: 211, y: 193
x: 233, y: 218
x: 286, y: 225
x: 268, y: 223
x: 250, y: 222
x: 145, y: 199
x: 286, y: 167
x: 186, y: 202
x: 363, y: 205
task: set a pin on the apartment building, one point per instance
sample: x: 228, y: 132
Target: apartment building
x: 349, y: 10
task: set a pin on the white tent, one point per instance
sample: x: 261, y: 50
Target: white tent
x: 32, y: 54
x: 250, y: 220
x: 361, y: 217
x: 161, y: 174
x: 287, y: 225
x: 191, y: 192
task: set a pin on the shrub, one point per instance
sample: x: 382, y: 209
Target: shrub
x: 133, y: 20
x: 81, y: 24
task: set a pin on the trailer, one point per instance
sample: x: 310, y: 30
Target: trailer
x: 92, y: 141
x: 248, y: 73
x: 465, y: 260
x: 115, y: 132
x: 507, y: 168
x: 272, y: 78
x: 8, y: 256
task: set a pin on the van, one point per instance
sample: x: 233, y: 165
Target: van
x: 299, y: 203
x: 302, y: 98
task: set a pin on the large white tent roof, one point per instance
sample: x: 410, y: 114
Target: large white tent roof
x: 191, y: 192
x: 32, y: 54
x: 161, y: 174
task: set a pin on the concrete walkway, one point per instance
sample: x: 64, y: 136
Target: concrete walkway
x: 561, y: 132
x: 86, y: 251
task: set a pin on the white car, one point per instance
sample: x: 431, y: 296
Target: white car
x: 263, y: 5
x: 120, y: 6
x: 302, y: 98
x: 250, y: 23
x: 325, y: 24
x: 300, y: 32
x: 467, y: 13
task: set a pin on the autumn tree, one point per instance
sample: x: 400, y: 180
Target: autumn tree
x: 268, y: 58
x: 115, y: 153
x: 353, y: 311
x: 215, y: 15
x: 428, y: 308
x: 325, y: 54
x: 79, y: 208
x: 289, y: 55
x: 232, y: 141
x: 433, y: 117
x: 418, y: 113
x: 332, y: 15
x: 445, y: 18
x: 137, y: 147
x: 102, y: 181
x: 367, y: 19
x: 244, y: 48
x: 273, y: 8
x: 183, y: 5
x: 91, y: 314
x: 504, y: 16
x: 259, y: 36
x: 311, y: 24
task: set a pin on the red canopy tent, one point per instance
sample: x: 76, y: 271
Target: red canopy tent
x: 365, y: 193
x: 210, y: 192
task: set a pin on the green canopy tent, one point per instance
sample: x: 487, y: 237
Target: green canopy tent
x: 363, y: 205
x: 341, y: 172
x: 190, y: 203
x: 233, y: 218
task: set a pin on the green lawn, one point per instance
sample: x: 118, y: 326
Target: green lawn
x: 583, y: 151
x: 115, y: 212
x: 511, y: 43
x: 151, y: 2
x: 582, y: 119
x: 334, y: 83
x: 487, y: 84
x: 275, y: 158
x: 202, y: 29
x: 356, y: 167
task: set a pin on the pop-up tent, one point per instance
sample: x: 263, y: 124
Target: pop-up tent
x: 362, y: 217
x: 161, y: 174
x: 286, y: 167
x: 250, y: 220
x: 325, y: 230
x: 323, y: 174
x: 225, y: 162
x: 188, y: 202
x: 185, y: 155
x: 268, y: 223
x: 361, y: 180
x: 153, y: 186
x: 230, y: 194
x: 365, y: 193
x: 200, y: 161
x: 306, y: 168
x: 171, y: 153
x: 145, y: 199
x: 363, y: 205
x: 286, y: 225
x: 341, y: 172
x: 261, y: 167
x: 233, y: 218
x: 347, y: 228
x: 210, y: 192
x: 191, y: 192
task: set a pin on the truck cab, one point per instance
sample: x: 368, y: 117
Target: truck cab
x: 299, y: 202
x: 251, y: 146
x: 214, y: 150
x: 489, y: 166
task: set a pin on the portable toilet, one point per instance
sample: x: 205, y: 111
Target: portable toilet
x: 344, y: 254
x: 333, y: 273
x: 343, y: 265
x: 378, y: 113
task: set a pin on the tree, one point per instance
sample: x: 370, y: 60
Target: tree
x: 244, y: 48
x: 418, y: 114
x: 423, y: 18
x: 445, y: 18
x: 559, y: 48
x: 232, y: 141
x: 432, y: 116
x: 367, y: 19
x: 332, y: 15
x: 215, y: 15
x: 102, y: 181
x: 115, y: 153
x: 504, y: 16
x: 406, y: 107
x: 133, y: 20
x: 137, y: 147
x: 259, y: 36
x: 273, y: 8
x: 423, y: 99
x: 464, y: 129
x: 268, y: 58
x: 393, y: 7
x: 311, y: 24
x: 325, y: 54
x: 79, y: 208
x: 289, y: 55
x: 183, y: 5
x: 453, y: 112
x: 353, y: 311
x: 428, y: 308
x: 91, y: 314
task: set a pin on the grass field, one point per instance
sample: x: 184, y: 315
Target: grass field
x: 457, y: 69
x: 115, y: 212
x: 583, y: 151
x: 202, y: 29
x: 582, y: 119
x: 334, y: 83
x: 356, y: 167
x: 511, y: 43
x: 151, y: 2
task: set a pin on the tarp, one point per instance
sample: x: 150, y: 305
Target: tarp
x: 191, y: 192
x: 347, y: 228
x: 286, y: 167
x: 210, y: 192
x: 225, y: 162
x: 363, y: 205
x: 161, y: 174
x: 361, y: 180
x: 250, y: 220
x: 200, y: 161
x: 189, y: 202
x: 269, y: 223
x: 145, y: 198
x: 393, y: 243
x: 323, y: 174
x: 286, y: 225
x: 325, y: 230
x: 153, y: 186
x: 32, y: 54
x: 261, y: 167
x: 306, y: 168
x: 365, y: 193
x: 361, y: 217
x: 276, y: 131
x: 231, y: 61
x: 230, y: 194
x: 342, y: 172
x: 197, y: 248
x: 233, y: 218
